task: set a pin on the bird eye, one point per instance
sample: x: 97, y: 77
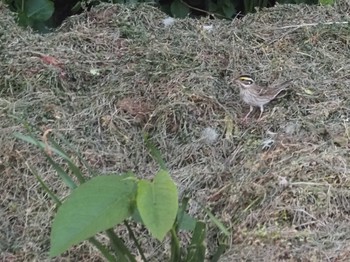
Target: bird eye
x: 247, y: 82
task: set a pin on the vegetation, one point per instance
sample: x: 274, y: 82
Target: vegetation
x: 280, y: 184
x: 108, y: 200
x: 45, y: 14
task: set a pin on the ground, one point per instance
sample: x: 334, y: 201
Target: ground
x: 102, y: 80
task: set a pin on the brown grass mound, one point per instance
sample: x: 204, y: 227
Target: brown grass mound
x: 280, y: 184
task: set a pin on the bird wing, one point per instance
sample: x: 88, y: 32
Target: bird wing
x: 285, y: 84
x: 274, y: 90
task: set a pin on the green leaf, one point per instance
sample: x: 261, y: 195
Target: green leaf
x: 196, y: 250
x: 212, y: 6
x: 96, y: 205
x: 157, y: 203
x: 187, y: 223
x: 228, y: 8
x: 40, y: 10
x: 155, y: 153
x: 45, y: 186
x: 76, y: 171
x: 44, y: 147
x: 41, y: 145
x: 221, y: 226
x: 179, y: 9
x: 220, y: 250
x: 327, y: 2
x: 249, y: 6
x: 183, y: 220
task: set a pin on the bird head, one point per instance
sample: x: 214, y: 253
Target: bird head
x: 245, y: 81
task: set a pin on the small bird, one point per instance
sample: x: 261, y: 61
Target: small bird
x: 256, y: 96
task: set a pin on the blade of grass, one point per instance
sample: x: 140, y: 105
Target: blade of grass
x: 196, y: 250
x: 155, y: 153
x: 41, y: 145
x: 221, y: 226
x: 75, y: 170
x: 77, y: 153
x: 44, y: 186
x: 44, y: 147
x: 63, y: 174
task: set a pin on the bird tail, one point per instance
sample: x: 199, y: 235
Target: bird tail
x: 284, y: 85
x: 281, y: 90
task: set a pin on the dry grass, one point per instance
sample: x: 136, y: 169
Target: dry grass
x: 281, y: 184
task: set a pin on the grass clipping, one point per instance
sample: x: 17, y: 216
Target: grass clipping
x: 105, y: 77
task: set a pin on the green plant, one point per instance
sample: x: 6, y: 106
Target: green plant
x: 102, y: 202
x: 250, y: 5
x: 33, y: 13
x: 327, y: 2
x: 40, y: 14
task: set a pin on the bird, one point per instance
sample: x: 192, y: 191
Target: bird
x: 257, y: 96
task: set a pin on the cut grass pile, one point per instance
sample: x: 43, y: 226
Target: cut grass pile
x: 108, y: 76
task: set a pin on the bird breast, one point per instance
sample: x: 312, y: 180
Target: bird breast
x: 251, y: 97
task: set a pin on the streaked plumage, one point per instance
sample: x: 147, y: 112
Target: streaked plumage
x: 256, y: 96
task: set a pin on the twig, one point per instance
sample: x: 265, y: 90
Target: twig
x: 311, y: 24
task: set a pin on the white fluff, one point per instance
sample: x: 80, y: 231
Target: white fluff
x: 169, y: 21
x: 208, y: 28
x: 209, y: 135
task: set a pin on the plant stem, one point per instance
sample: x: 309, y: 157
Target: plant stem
x: 104, y: 251
x: 175, y: 246
x: 120, y: 249
x: 131, y: 233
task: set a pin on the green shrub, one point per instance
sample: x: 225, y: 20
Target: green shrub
x: 103, y: 202
x: 43, y: 14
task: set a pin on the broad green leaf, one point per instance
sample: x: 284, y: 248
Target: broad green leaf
x: 39, y: 9
x: 179, y: 9
x: 228, y: 8
x: 184, y: 221
x: 23, y: 20
x: 157, y: 203
x: 187, y: 222
x: 96, y: 205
